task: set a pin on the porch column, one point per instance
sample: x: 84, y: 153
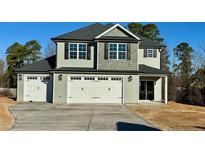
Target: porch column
x: 137, y: 88
x: 165, y: 90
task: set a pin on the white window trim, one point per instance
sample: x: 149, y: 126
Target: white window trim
x: 78, y: 51
x: 152, y: 54
x: 117, y: 25
x: 117, y: 51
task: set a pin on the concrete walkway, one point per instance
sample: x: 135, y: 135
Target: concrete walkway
x: 76, y: 117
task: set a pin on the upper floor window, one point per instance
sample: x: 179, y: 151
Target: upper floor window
x: 117, y: 51
x: 150, y: 53
x: 78, y: 50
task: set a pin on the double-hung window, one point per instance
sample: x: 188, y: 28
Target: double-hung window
x: 117, y: 51
x: 112, y: 51
x: 150, y: 53
x: 82, y: 51
x: 73, y: 49
x: 78, y: 50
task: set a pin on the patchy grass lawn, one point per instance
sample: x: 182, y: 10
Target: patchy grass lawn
x: 173, y: 116
x: 6, y: 118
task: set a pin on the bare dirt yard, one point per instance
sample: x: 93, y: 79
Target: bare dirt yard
x: 6, y: 118
x: 173, y: 116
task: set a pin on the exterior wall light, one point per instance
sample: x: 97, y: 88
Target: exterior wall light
x: 60, y: 77
x: 20, y: 76
x: 129, y: 78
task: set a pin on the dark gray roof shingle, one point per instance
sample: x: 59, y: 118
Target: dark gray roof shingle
x: 89, y: 32
x: 147, y: 43
x: 85, y: 33
x: 40, y: 66
x: 142, y: 69
x: 151, y: 70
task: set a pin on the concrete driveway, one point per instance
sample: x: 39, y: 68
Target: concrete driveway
x: 76, y: 117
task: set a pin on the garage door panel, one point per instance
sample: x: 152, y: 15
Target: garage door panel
x: 38, y: 88
x: 92, y: 91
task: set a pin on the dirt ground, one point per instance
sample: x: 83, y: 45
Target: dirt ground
x: 173, y: 116
x: 6, y: 119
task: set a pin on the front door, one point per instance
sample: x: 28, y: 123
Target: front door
x: 147, y: 90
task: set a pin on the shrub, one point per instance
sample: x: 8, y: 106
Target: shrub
x: 6, y: 93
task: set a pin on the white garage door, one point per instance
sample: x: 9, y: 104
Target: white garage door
x: 38, y: 88
x: 94, y: 89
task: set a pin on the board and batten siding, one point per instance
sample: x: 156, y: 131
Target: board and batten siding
x: 62, y: 62
x: 106, y: 64
x: 149, y: 61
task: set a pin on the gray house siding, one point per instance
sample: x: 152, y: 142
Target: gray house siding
x: 20, y: 88
x: 62, y: 62
x: 152, y: 62
x: 131, y: 89
x: 106, y: 64
x: 60, y: 88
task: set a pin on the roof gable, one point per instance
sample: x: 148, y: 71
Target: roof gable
x: 116, y: 32
x: 125, y: 31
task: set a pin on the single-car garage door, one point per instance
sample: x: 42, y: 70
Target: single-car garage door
x: 94, y: 89
x: 37, y: 88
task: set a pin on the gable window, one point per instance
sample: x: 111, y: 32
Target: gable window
x: 78, y: 50
x: 117, y: 51
x: 150, y: 53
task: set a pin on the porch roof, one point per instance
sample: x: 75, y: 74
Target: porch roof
x: 49, y: 65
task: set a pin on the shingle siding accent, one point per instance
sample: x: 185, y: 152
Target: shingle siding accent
x: 106, y: 64
x: 116, y: 32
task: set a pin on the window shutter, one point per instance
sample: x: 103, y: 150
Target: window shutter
x: 128, y: 51
x: 66, y: 52
x: 106, y: 51
x: 88, y: 52
x: 155, y: 53
x: 145, y: 53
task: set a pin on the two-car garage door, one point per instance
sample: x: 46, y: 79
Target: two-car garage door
x: 94, y: 89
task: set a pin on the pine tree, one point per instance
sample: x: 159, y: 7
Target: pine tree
x: 183, y: 52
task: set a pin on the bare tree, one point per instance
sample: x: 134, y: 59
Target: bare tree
x: 198, y: 60
x: 50, y: 49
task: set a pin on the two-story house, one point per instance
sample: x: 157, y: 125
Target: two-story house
x: 96, y: 64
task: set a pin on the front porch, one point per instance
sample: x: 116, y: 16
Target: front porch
x: 153, y: 89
